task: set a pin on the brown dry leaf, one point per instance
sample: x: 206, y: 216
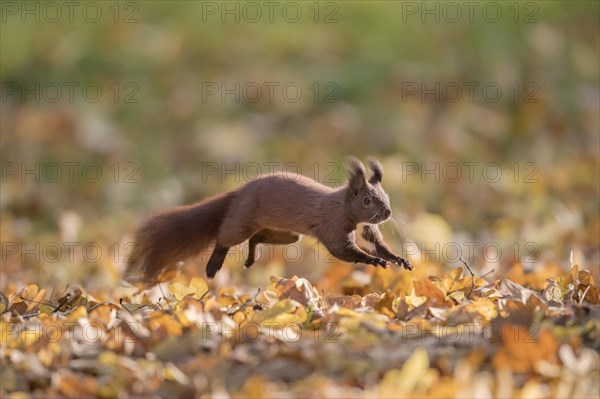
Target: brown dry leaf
x: 70, y: 300
x: 227, y: 298
x: 346, y: 301
x: 298, y: 289
x: 435, y: 297
x: 587, y: 289
x: 351, y: 320
x: 386, y: 305
x: 33, y: 296
x: 371, y: 300
x: 451, y: 281
x: 255, y: 387
x: 74, y: 386
x: 535, y: 279
x: 523, y: 348
x: 18, y: 308
x: 517, y: 292
x: 3, y: 302
x: 585, y: 277
x: 159, y: 320
x: 553, y: 292
x: 282, y: 285
x: 590, y: 294
x: 483, y: 307
x: 334, y: 276
x: 402, y: 308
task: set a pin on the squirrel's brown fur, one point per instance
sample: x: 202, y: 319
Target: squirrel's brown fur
x: 273, y: 209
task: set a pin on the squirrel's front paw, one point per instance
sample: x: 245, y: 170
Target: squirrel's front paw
x: 404, y: 263
x: 379, y: 262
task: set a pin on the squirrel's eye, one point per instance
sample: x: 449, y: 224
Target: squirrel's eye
x: 367, y: 200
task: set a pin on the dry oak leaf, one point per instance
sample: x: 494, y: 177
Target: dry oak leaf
x: 435, y: 296
x: 298, y: 289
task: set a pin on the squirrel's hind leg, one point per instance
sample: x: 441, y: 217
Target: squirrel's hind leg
x: 216, y: 260
x: 230, y: 234
x: 268, y: 236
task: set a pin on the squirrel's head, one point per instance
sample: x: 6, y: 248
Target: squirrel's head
x: 366, y: 201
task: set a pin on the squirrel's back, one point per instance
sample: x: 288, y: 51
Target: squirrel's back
x: 284, y: 201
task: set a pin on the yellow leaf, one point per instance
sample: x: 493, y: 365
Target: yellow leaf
x: 78, y: 313
x: 458, y: 296
x: 172, y: 373
x: 108, y: 358
x: 415, y: 375
x: 30, y: 292
x: 197, y: 289
x: 483, y: 307
x: 199, y: 286
x: 179, y: 291
x: 255, y: 387
x: 281, y: 314
x: 351, y: 320
x: 30, y: 337
x: 415, y: 300
x: 45, y: 309
x: 171, y: 326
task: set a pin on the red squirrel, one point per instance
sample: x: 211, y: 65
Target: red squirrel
x: 274, y: 209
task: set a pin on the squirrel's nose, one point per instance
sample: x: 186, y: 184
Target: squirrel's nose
x: 387, y: 212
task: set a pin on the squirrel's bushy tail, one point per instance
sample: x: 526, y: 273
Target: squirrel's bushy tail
x: 173, y: 236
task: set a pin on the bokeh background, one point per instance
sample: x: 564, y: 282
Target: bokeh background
x: 376, y: 79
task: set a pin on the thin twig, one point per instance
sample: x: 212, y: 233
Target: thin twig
x: 472, y: 276
x: 245, y: 304
x: 204, y: 295
x: 32, y: 301
x: 170, y: 310
x: 581, y: 299
x: 122, y: 306
x: 488, y: 273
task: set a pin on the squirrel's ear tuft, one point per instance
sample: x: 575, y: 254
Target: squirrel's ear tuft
x: 377, y: 170
x: 357, y: 175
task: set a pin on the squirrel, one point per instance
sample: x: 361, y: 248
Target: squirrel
x: 273, y: 209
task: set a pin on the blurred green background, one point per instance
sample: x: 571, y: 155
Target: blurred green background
x: 377, y: 78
